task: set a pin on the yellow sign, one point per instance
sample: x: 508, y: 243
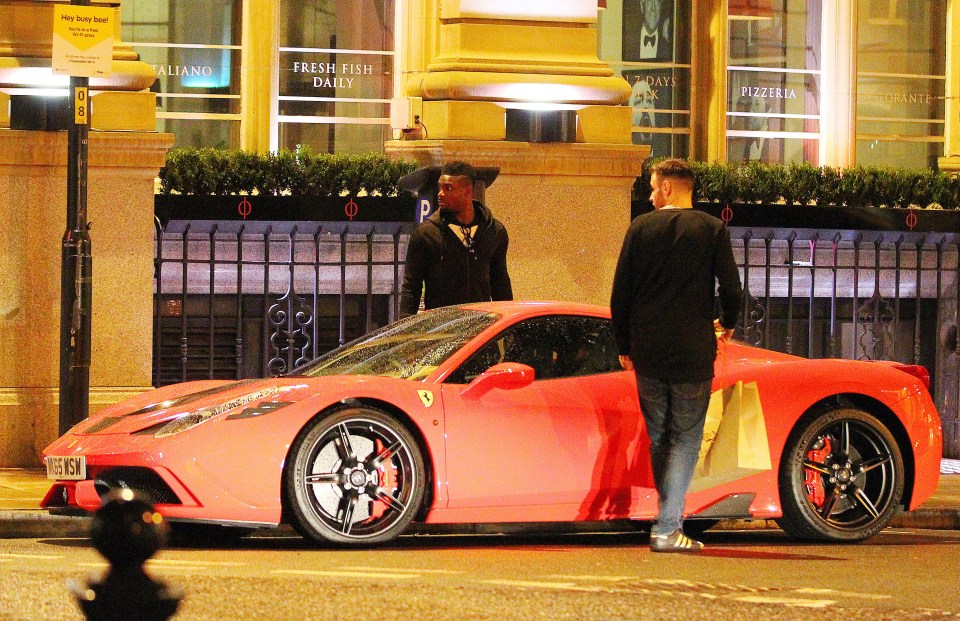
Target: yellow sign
x: 81, y: 110
x: 82, y: 40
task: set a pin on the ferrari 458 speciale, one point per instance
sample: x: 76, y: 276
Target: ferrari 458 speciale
x: 496, y: 413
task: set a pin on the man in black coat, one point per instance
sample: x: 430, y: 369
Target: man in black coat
x: 663, y: 318
x: 459, y: 254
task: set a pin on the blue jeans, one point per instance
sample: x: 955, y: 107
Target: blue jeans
x: 674, y: 413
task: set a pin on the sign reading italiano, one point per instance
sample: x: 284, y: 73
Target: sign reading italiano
x: 82, y: 40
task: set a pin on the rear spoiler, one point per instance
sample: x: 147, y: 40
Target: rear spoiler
x: 918, y: 371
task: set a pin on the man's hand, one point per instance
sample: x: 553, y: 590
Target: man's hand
x: 722, y: 333
x: 626, y: 363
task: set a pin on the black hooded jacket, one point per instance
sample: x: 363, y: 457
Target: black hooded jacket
x: 447, y: 272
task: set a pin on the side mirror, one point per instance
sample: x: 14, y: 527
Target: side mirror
x: 506, y: 375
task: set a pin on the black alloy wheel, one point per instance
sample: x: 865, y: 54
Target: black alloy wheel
x: 355, y: 477
x: 841, y: 477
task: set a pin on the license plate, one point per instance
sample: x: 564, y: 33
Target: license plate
x: 73, y: 468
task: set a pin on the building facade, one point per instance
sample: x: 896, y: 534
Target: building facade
x: 827, y: 82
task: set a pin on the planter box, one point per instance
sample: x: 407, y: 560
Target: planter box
x: 169, y: 207
x: 835, y: 218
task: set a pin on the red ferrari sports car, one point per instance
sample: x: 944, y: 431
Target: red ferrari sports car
x: 499, y: 412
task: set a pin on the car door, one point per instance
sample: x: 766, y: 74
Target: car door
x: 565, y: 446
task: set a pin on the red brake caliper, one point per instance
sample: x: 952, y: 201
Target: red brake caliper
x: 813, y: 480
x: 388, y: 481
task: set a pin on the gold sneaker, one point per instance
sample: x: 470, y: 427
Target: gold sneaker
x: 675, y: 542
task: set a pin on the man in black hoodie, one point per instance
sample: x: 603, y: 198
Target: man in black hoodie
x: 459, y: 254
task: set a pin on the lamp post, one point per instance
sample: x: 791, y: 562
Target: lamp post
x: 76, y: 266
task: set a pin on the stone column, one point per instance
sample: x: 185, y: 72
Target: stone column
x: 708, y: 77
x: 260, y: 75
x: 951, y: 148
x: 566, y: 208
x: 839, y: 80
x: 33, y: 199
x: 490, y: 55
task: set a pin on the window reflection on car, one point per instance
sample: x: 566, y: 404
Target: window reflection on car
x: 556, y: 347
x: 407, y: 349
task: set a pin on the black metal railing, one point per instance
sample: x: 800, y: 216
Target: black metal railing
x: 236, y: 300
x: 857, y: 295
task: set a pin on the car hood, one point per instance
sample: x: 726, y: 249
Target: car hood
x: 210, y: 398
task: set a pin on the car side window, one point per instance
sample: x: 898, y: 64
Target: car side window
x: 556, y: 347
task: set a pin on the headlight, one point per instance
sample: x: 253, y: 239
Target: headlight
x: 190, y: 420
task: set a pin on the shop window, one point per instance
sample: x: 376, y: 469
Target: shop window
x: 336, y: 74
x: 648, y: 43
x: 773, y: 81
x: 901, y: 81
x: 194, y: 49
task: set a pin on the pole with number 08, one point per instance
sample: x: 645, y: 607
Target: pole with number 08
x: 76, y: 266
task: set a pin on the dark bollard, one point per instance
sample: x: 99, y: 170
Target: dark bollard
x: 127, y: 531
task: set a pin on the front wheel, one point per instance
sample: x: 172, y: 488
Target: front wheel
x: 841, y: 478
x: 355, y: 477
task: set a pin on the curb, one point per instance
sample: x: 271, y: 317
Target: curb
x: 33, y: 524
x: 38, y: 524
x: 934, y: 519
x: 923, y: 519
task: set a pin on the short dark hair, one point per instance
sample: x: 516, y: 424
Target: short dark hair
x: 674, y: 169
x: 460, y: 169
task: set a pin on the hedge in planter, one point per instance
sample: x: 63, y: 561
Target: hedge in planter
x: 804, y: 184
x: 299, y: 173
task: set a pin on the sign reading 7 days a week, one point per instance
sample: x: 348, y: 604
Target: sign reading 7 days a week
x: 82, y: 40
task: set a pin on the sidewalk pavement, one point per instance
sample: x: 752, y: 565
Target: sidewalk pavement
x: 22, y: 489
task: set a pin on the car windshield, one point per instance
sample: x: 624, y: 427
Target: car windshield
x: 407, y: 349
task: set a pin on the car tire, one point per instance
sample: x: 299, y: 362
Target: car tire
x: 841, y: 477
x: 355, y: 477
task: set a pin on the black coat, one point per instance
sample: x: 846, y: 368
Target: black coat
x: 447, y: 272
x: 663, y: 293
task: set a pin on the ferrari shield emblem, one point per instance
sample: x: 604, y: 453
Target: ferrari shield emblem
x: 426, y: 397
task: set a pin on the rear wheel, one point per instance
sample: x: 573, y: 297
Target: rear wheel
x: 841, y: 478
x: 355, y: 477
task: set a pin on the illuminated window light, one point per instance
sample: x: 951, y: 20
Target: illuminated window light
x: 36, y: 77
x: 539, y: 10
x: 539, y: 93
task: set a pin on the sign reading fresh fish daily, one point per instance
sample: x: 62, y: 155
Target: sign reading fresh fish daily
x: 82, y: 40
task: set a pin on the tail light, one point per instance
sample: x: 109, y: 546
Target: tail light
x: 918, y: 371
